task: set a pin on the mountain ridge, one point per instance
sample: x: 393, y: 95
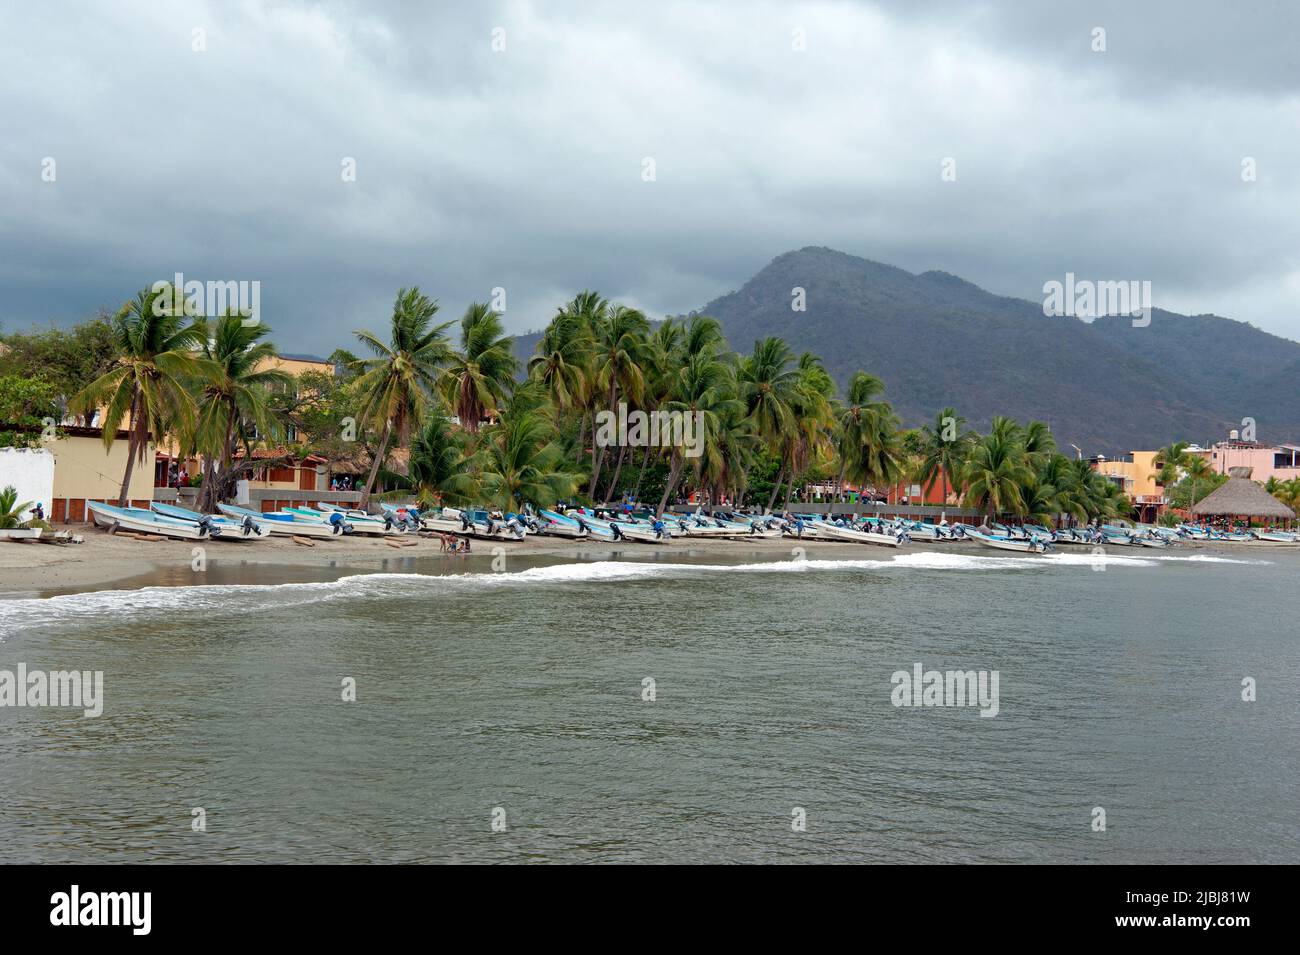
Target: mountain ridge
x: 937, y: 339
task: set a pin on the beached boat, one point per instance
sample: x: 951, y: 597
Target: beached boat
x: 645, y: 533
x: 286, y: 524
x: 1275, y: 539
x: 1030, y: 545
x: 360, y: 525
x: 554, y: 524
x: 222, y: 527
x: 859, y: 536
x: 20, y: 533
x: 143, y: 521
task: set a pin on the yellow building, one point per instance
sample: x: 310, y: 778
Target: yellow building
x: 1137, y: 474
x: 84, y: 471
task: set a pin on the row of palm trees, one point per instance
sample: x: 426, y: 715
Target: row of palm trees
x: 476, y: 431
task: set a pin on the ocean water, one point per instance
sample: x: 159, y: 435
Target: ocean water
x: 502, y: 716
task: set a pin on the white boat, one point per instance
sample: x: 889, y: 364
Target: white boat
x: 840, y: 532
x: 360, y: 525
x: 1033, y: 545
x: 1275, y: 539
x: 20, y: 533
x: 219, y: 526
x: 142, y: 521
x: 286, y: 524
x: 629, y: 530
x: 480, y: 524
x: 558, y: 525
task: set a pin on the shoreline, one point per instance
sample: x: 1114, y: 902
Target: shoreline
x: 103, y: 560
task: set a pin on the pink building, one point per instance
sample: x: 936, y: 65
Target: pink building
x: 1281, y: 461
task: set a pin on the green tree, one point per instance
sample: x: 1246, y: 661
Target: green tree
x: 232, y: 392
x: 145, y: 388
x: 395, y: 385
x: 481, y: 372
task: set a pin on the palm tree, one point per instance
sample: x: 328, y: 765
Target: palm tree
x: 1198, y: 469
x: 561, y: 361
x: 395, y: 385
x: 145, y: 388
x: 702, y: 395
x: 11, y: 512
x: 619, y: 351
x: 439, y: 471
x: 232, y: 394
x: 768, y: 387
x: 521, y: 461
x: 996, y: 469
x: 943, y: 449
x: 1171, y: 458
x: 479, y: 376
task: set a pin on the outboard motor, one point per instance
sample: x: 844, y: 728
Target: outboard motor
x: 205, y: 524
x: 339, y: 524
x: 464, y: 523
x: 248, y: 526
x: 618, y: 534
x: 388, y: 521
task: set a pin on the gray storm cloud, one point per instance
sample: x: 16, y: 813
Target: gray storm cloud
x: 522, y: 167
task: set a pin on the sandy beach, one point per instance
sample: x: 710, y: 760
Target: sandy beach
x: 32, y: 569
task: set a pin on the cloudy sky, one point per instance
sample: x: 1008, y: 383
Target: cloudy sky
x: 504, y: 144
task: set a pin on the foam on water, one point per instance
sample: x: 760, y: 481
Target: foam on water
x: 198, y: 600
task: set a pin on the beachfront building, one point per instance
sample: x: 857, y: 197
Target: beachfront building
x: 1137, y: 474
x: 1280, y: 461
x: 72, y: 468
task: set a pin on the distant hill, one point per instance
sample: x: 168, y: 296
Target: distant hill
x: 937, y: 340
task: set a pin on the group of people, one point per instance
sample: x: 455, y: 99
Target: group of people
x: 452, y: 544
x: 343, y: 482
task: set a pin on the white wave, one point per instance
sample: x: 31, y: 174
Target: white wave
x: 198, y: 600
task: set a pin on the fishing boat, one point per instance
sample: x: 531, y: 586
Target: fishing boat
x: 850, y: 533
x: 222, y: 527
x: 288, y: 525
x: 20, y: 533
x: 143, y: 521
x: 1275, y: 538
x: 645, y: 533
x: 360, y: 525
x: 479, y: 523
x: 555, y: 524
x: 1029, y: 545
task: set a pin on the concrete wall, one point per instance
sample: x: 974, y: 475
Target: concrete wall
x: 31, y: 472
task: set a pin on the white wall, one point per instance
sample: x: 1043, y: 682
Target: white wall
x: 31, y: 472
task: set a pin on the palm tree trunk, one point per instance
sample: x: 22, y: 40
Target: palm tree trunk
x: 374, y: 468
x: 674, y: 473
x: 582, y: 437
x: 839, y: 488
x: 780, y: 474
x: 132, y: 447
x: 789, y: 489
x: 645, y: 462
x: 613, y: 483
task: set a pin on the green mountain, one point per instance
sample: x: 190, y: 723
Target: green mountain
x: 936, y: 340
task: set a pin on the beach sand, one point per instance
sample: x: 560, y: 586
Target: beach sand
x: 33, y: 569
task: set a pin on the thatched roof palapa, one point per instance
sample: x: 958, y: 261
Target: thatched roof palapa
x: 1241, y: 496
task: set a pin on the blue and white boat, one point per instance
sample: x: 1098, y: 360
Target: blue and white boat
x: 288, y: 525
x: 143, y: 521
x: 221, y: 527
